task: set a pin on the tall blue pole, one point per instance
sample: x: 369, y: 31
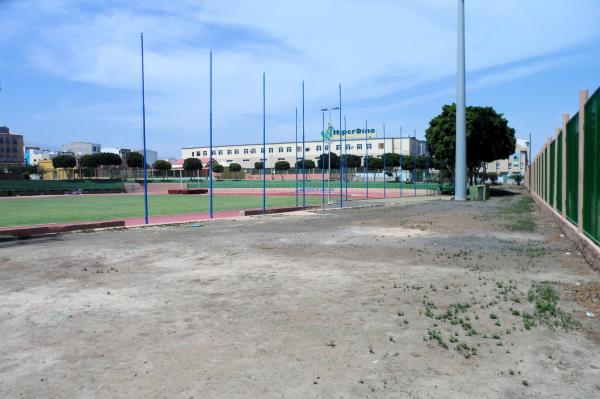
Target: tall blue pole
x: 144, y: 133
x: 367, y: 156
x: 401, y: 159
x: 303, y: 154
x: 415, y: 165
x: 341, y: 158
x: 384, y: 173
x: 323, y: 160
x: 264, y: 169
x: 296, y: 151
x: 346, y: 163
x: 210, y: 141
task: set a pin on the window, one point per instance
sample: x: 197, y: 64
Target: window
x: 205, y: 153
x: 307, y: 149
x: 229, y: 160
x: 289, y: 149
x: 214, y: 152
x: 337, y: 147
x: 245, y: 150
x: 228, y: 152
x: 253, y: 151
x: 359, y: 146
x: 236, y: 151
x: 318, y: 148
x: 497, y: 165
x: 298, y: 149
x: 246, y: 160
x: 368, y: 146
x: 509, y: 165
x: 280, y: 149
x: 380, y: 146
x: 281, y: 159
x: 348, y: 146
x: 262, y: 150
x: 220, y: 152
x: 326, y: 148
x: 270, y: 150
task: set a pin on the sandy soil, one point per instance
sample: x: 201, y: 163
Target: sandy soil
x: 400, y: 301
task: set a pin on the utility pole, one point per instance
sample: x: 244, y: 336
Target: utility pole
x: 460, y: 187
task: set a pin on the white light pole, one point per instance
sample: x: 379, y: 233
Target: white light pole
x: 460, y: 183
x: 329, y: 126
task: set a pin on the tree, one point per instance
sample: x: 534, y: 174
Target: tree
x: 392, y: 160
x: 258, y: 165
x: 488, y: 138
x: 108, y: 159
x: 323, y: 161
x: 218, y: 168
x: 134, y: 160
x: 375, y: 163
x: 65, y: 161
x: 88, y: 161
x: 234, y: 167
x: 517, y: 178
x: 162, y: 166
x: 192, y: 164
x: 308, y: 164
x: 282, y: 166
x: 352, y: 161
x: 408, y: 162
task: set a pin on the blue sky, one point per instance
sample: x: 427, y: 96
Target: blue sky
x: 70, y: 69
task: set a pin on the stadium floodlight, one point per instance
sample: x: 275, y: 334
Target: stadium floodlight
x: 210, y: 140
x: 460, y: 193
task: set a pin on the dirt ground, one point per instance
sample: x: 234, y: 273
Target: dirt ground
x: 433, y: 300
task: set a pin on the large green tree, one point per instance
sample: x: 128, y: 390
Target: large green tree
x: 192, y: 164
x: 488, y: 138
x: 134, y: 160
x: 323, y: 161
x: 162, y: 166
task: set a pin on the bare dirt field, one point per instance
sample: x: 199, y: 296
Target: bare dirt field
x: 431, y: 300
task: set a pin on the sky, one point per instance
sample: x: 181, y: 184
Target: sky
x: 70, y: 69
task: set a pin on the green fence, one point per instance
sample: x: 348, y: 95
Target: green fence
x: 591, y: 168
x: 551, y: 174
x: 20, y: 187
x: 565, y: 163
x: 572, y: 141
x: 559, y: 173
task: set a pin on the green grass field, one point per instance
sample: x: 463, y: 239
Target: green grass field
x: 77, y: 208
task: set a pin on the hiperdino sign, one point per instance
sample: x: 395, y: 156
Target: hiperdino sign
x: 332, y: 134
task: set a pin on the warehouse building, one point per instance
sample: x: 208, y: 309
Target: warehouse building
x: 247, y: 154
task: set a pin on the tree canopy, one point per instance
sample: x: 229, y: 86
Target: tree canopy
x: 488, y: 138
x: 323, y: 161
x: 282, y: 165
x: 64, y: 161
x: 352, y: 161
x: 192, y: 164
x: 375, y: 163
x: 235, y: 167
x: 218, y: 168
x: 162, y: 165
x: 258, y: 165
x: 134, y: 160
x: 88, y: 161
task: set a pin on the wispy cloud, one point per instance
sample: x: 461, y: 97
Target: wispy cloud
x: 377, y: 50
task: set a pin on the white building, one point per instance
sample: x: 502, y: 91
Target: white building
x: 82, y: 148
x: 247, y: 154
x: 516, y: 163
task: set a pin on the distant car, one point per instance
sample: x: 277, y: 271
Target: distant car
x: 75, y: 191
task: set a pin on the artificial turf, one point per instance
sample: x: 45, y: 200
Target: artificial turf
x: 77, y: 208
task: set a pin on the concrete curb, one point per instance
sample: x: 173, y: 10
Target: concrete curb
x: 30, y: 231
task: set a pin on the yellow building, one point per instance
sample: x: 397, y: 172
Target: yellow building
x: 48, y: 171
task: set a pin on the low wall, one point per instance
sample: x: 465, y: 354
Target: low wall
x: 589, y: 250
